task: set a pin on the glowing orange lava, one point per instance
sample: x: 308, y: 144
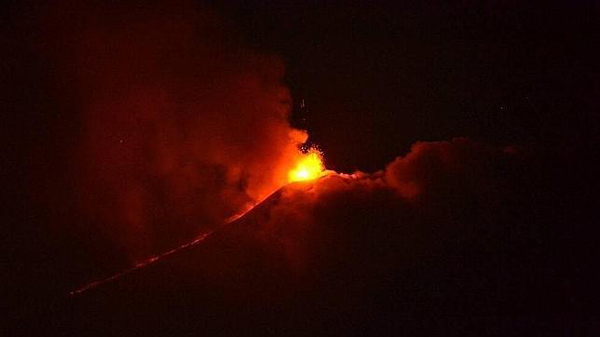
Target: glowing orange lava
x: 309, y: 167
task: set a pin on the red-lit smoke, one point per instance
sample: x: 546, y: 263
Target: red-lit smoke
x: 417, y: 200
x: 179, y: 128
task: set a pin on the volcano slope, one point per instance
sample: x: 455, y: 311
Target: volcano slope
x: 480, y: 245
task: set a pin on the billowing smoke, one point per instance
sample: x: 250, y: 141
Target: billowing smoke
x: 178, y: 126
x: 438, y: 191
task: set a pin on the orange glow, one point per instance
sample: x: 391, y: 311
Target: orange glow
x: 309, y: 167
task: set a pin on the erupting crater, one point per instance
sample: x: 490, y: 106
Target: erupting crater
x: 309, y: 167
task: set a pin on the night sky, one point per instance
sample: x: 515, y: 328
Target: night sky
x: 463, y: 136
x: 377, y: 77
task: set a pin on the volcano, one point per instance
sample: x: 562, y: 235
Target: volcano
x: 348, y: 254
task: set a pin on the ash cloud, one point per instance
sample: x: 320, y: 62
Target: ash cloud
x: 448, y: 188
x: 174, y: 126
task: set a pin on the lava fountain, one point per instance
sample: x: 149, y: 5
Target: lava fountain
x: 309, y: 167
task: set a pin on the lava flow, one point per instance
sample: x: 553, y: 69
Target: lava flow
x: 309, y: 167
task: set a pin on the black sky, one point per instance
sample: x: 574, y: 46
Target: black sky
x: 377, y: 76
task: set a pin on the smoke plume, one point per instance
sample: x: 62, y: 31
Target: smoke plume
x: 177, y: 128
